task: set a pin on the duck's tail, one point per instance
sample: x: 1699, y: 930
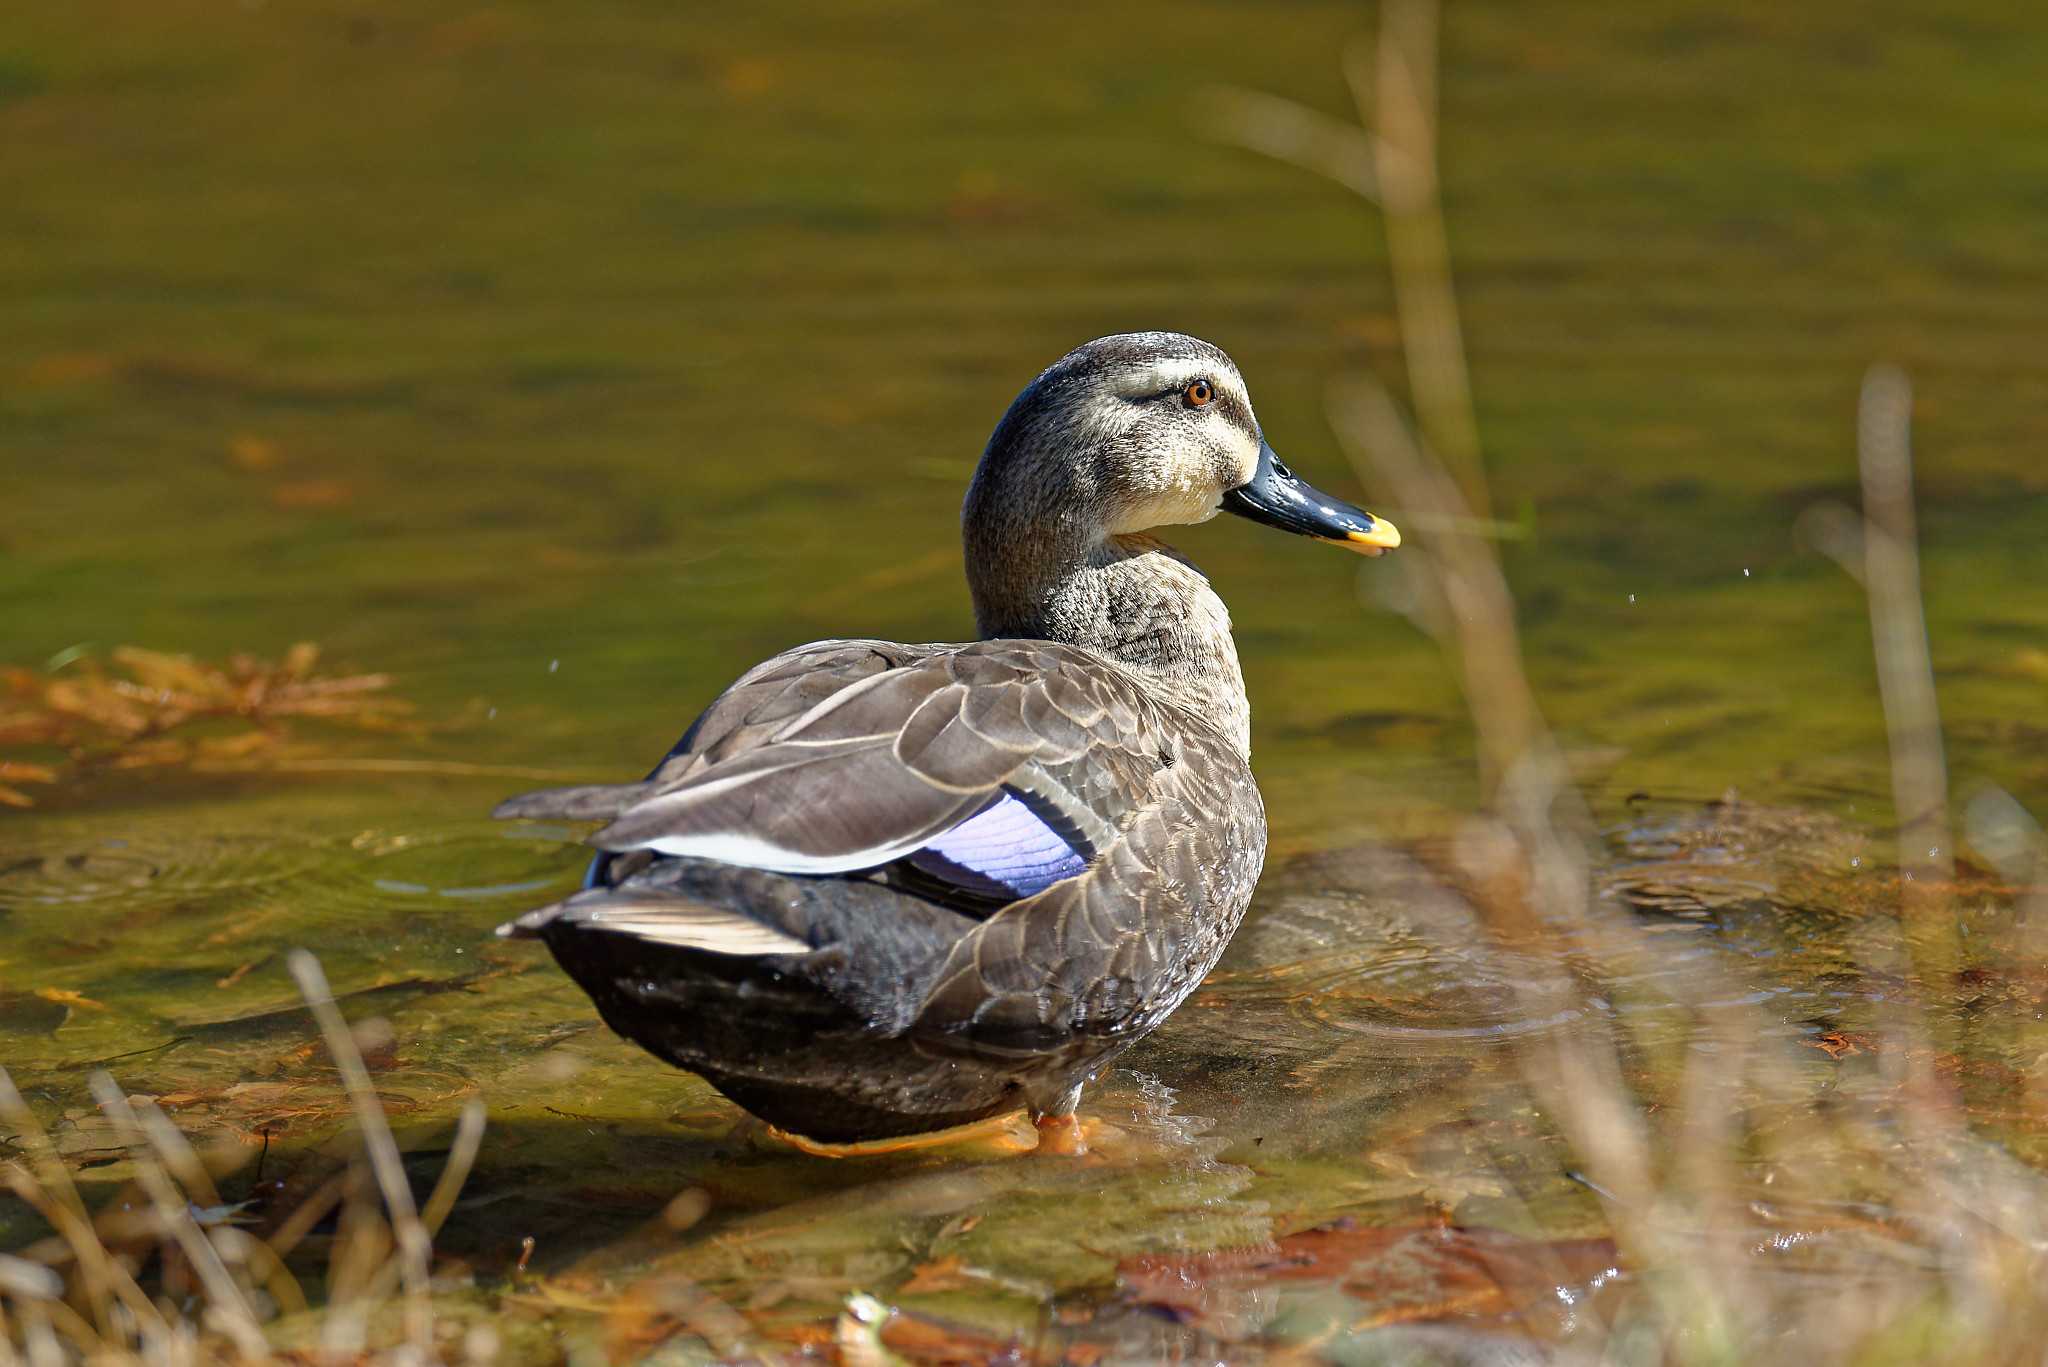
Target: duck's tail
x: 593, y: 802
x: 658, y: 916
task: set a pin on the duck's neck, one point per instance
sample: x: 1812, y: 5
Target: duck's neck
x: 1130, y: 598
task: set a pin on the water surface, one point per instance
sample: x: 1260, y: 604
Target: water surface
x: 562, y: 364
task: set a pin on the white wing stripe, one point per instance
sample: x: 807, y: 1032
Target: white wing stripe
x: 748, y: 851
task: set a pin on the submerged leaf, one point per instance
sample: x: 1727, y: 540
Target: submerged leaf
x: 155, y: 669
x: 124, y: 719
x: 1402, y: 1274
x: 64, y: 996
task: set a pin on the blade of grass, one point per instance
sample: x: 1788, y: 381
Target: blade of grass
x: 413, y: 1243
x: 50, y: 1191
x: 224, y: 1295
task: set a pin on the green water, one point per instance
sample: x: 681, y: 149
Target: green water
x: 592, y: 353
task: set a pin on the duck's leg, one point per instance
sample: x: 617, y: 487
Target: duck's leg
x: 1060, y: 1133
x: 999, y: 1132
x: 1061, y: 1136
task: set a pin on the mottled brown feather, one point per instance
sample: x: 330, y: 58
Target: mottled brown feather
x: 847, y: 754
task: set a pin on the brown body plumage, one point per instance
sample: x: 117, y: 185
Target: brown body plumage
x: 779, y: 910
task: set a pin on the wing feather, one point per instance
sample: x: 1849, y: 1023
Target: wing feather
x: 847, y: 755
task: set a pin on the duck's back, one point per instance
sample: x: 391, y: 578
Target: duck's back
x: 1006, y: 854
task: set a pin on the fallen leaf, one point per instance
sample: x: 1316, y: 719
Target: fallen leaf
x: 930, y: 1339
x: 154, y: 669
x: 655, y: 1310
x: 1839, y: 1043
x: 123, y: 720
x: 64, y: 996
x: 940, y: 1274
x: 1400, y: 1274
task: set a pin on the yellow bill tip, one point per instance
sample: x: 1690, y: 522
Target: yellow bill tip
x: 1384, y: 536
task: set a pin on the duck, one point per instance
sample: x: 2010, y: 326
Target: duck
x: 879, y: 890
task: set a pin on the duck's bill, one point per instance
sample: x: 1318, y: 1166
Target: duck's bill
x: 1279, y: 498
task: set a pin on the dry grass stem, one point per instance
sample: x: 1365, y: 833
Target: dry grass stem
x: 1905, y: 669
x: 1400, y: 100
x: 469, y: 1137
x: 225, y: 1298
x: 1292, y: 133
x: 77, y: 1296
x: 414, y: 1243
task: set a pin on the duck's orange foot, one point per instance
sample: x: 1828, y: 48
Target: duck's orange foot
x: 1062, y: 1136
x: 998, y: 1133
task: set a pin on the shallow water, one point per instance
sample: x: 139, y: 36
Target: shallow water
x: 562, y: 366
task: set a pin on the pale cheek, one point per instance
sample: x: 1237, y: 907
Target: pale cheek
x: 1173, y: 506
x: 1195, y: 503
x: 1247, y: 466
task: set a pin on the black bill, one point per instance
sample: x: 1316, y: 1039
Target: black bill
x: 1279, y: 498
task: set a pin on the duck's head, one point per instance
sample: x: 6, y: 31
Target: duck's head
x: 1136, y: 431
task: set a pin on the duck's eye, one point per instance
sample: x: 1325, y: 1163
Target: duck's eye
x: 1198, y: 394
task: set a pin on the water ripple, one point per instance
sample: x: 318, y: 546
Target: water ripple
x: 144, y: 865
